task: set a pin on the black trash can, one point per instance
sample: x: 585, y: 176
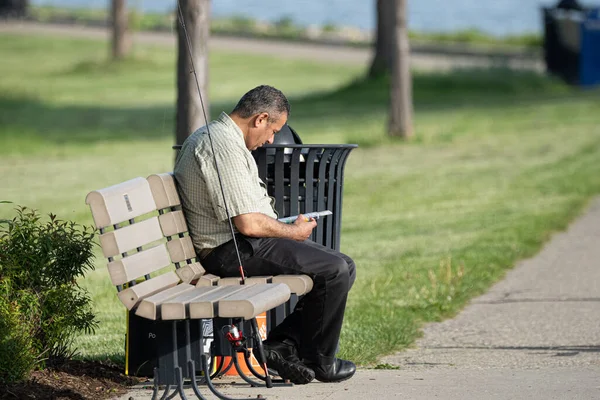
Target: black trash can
x: 305, y: 178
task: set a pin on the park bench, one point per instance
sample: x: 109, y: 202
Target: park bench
x: 143, y: 234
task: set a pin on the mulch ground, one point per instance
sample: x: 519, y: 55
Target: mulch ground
x: 73, y: 380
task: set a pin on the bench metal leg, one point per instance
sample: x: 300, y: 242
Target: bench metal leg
x: 243, y: 375
x: 261, y: 351
x: 206, y: 370
x: 255, y: 333
x: 210, y: 384
x: 165, y: 393
x: 179, y: 375
x: 236, y: 342
x: 220, y: 368
x: 258, y: 375
x: 178, y: 371
x: 155, y: 389
x: 192, y: 368
x: 170, y: 372
x: 155, y: 386
x: 224, y: 369
x: 240, y: 346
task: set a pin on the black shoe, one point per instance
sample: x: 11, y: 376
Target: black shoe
x: 339, y: 371
x: 283, y: 358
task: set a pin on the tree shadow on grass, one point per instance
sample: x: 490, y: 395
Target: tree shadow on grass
x: 84, y: 124
x: 433, y: 92
x: 30, y: 119
x: 361, y: 108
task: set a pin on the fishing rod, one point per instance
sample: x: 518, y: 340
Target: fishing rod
x: 233, y: 334
x: 189, y: 45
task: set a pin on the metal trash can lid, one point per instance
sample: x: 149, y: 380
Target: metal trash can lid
x: 287, y: 135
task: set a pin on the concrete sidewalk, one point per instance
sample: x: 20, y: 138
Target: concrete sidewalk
x: 534, y: 335
x: 440, y: 384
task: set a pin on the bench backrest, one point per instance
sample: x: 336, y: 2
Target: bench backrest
x: 142, y: 232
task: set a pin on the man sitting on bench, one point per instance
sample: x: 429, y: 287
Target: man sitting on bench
x: 303, y: 346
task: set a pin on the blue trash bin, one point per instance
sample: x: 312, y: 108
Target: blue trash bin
x: 589, y: 73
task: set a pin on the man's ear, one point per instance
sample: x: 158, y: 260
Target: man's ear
x: 260, y: 119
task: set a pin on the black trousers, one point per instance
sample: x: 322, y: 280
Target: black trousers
x: 316, y: 321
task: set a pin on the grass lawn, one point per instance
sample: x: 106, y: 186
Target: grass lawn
x: 501, y: 160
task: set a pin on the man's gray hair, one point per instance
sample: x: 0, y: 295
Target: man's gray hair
x: 261, y: 99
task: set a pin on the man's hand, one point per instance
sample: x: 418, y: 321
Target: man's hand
x: 303, y: 227
x: 260, y: 225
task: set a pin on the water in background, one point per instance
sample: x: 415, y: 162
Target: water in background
x: 498, y: 17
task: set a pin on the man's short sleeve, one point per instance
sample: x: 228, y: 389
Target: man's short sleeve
x: 236, y: 181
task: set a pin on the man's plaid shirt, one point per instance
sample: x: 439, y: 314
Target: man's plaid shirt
x: 199, y: 188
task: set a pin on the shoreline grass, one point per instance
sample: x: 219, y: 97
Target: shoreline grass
x: 284, y: 29
x: 501, y: 161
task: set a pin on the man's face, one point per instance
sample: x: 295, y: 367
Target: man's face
x: 263, y: 131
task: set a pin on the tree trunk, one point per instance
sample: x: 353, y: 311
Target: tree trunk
x: 121, y: 37
x: 196, y: 15
x: 401, y: 107
x: 384, y: 45
x: 13, y: 8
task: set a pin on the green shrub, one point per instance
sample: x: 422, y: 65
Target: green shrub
x: 17, y: 352
x: 43, y: 306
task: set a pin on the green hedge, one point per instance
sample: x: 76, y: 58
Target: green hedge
x: 42, y: 306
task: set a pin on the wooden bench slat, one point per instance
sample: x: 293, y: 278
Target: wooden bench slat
x: 139, y: 264
x: 181, y: 249
x: 121, y: 202
x: 173, y: 223
x: 208, y: 280
x: 205, y: 307
x: 298, y: 284
x: 249, y: 280
x: 134, y: 294
x: 150, y: 307
x: 130, y: 237
x: 164, y: 190
x: 253, y: 300
x: 190, y: 272
x: 178, y: 307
